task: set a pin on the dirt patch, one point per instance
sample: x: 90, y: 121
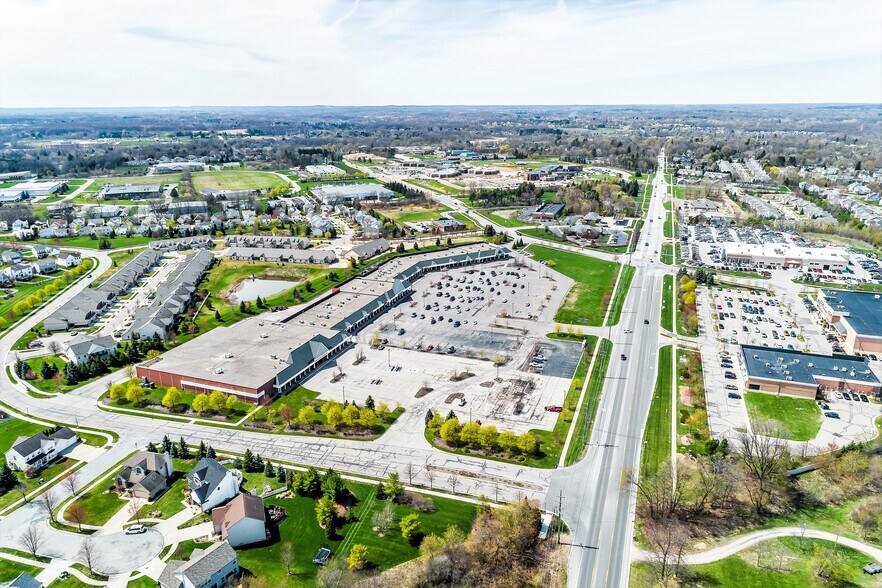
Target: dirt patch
x: 454, y: 396
x: 459, y: 377
x: 422, y: 392
x: 687, y: 395
x: 487, y: 384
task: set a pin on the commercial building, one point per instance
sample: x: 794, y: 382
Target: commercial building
x: 130, y: 192
x: 548, y: 210
x: 265, y: 356
x: 785, y: 256
x: 337, y: 193
x: 857, y: 315
x: 794, y: 373
x: 553, y: 172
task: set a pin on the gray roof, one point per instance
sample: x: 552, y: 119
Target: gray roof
x: 805, y: 368
x: 205, y: 477
x: 135, y: 190
x: 89, y: 345
x: 862, y: 310
x: 201, y: 567
x: 27, y: 445
x: 371, y: 248
x: 25, y: 580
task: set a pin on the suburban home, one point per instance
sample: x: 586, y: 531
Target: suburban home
x: 242, y: 521
x: 81, y: 348
x: 69, y: 259
x: 10, y: 256
x: 211, y: 484
x: 19, y: 271
x: 20, y: 224
x: 210, y: 568
x: 369, y: 249
x: 34, y: 452
x: 40, y: 251
x: 145, y: 475
x: 24, y: 580
x: 44, y: 266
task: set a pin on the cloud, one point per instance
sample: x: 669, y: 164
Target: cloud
x: 439, y: 52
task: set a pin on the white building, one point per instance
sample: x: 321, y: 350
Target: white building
x: 35, y: 452
x: 211, y: 484
x: 786, y: 256
x: 242, y: 521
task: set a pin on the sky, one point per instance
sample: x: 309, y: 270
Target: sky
x: 114, y: 53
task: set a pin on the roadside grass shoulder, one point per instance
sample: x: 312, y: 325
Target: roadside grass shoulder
x: 657, y: 435
x: 621, y: 292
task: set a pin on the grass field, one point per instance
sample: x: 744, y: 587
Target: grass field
x: 588, y: 411
x: 667, y: 254
x: 783, y: 563
x: 587, y: 300
x: 413, y: 213
x: 621, y: 292
x: 667, y: 304
x: 9, y: 570
x: 436, y: 186
x: 503, y: 221
x: 670, y: 227
x: 799, y: 418
x: 541, y: 233
x: 301, y: 530
x: 657, y: 436
x: 228, y: 179
x: 90, y: 243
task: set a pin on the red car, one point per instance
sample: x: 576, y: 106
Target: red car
x: 553, y: 408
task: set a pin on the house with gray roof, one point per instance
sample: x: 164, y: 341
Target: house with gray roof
x: 369, y: 249
x: 44, y: 266
x: 211, y: 484
x: 81, y: 348
x: 24, y: 580
x: 38, y: 450
x: 145, y: 475
x: 214, y: 567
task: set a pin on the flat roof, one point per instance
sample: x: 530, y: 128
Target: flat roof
x: 861, y: 310
x: 251, y: 365
x: 787, y: 250
x: 803, y: 368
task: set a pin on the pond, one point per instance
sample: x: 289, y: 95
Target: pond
x: 249, y: 290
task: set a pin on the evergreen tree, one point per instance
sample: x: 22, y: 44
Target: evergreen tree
x: 151, y: 447
x: 166, y: 445
x: 7, y: 478
x: 242, y: 307
x: 238, y: 464
x: 268, y: 470
x: 333, y: 486
x: 202, y: 450
x: 369, y: 403
x: 211, y: 453
x: 429, y: 415
x: 281, y: 473
x: 183, y: 450
x: 248, y: 460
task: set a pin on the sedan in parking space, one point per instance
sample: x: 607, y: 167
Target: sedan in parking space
x: 734, y: 395
x: 864, y: 398
x: 731, y: 387
x: 831, y: 414
x: 730, y: 375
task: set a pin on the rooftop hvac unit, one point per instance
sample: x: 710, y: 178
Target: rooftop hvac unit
x: 835, y: 369
x: 851, y: 374
x: 796, y: 360
x: 787, y: 372
x: 768, y: 364
x: 789, y: 378
x: 811, y: 364
x: 755, y: 356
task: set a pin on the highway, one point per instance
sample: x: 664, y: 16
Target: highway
x: 592, y: 502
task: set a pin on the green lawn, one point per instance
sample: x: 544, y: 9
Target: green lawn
x: 621, y: 292
x: 784, y: 563
x: 436, y: 186
x: 667, y: 304
x: 171, y: 502
x: 32, y: 484
x: 301, y: 530
x: 9, y: 570
x: 667, y: 254
x: 227, y: 179
x: 657, y: 436
x: 799, y: 418
x: 413, y: 213
x: 503, y: 221
x: 587, y: 300
x: 588, y: 411
x: 669, y: 227
x: 55, y: 384
x: 90, y: 243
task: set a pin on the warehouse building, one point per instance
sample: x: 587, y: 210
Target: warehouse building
x: 340, y: 193
x: 794, y: 373
x: 265, y: 356
x: 857, y: 315
x: 785, y: 256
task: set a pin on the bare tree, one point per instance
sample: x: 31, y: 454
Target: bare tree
x: 22, y: 491
x: 32, y: 539
x: 409, y: 470
x: 54, y: 347
x: 764, y: 457
x: 382, y: 519
x: 668, y: 539
x: 430, y: 475
x: 48, y: 501
x: 286, y: 553
x: 454, y: 480
x: 90, y: 555
x: 76, y: 514
x: 657, y: 491
x: 71, y: 482
x: 135, y: 505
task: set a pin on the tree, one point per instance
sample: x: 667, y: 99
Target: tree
x: 324, y: 513
x: 306, y: 414
x: 357, y: 557
x: 333, y: 486
x: 831, y: 567
x: 668, y: 538
x: 350, y: 415
x: 368, y: 418
x: 71, y: 483
x: 76, y: 514
x: 382, y: 519
x: 54, y: 347
x: 286, y: 413
x: 435, y: 422
x: 286, y: 554
x: 183, y: 450
x: 450, y: 431
x: 369, y: 402
x: 217, y: 400
x: 528, y: 443
x: 134, y: 392
x: 201, y: 403
x: 334, y: 415
x: 308, y: 483
x: 469, y: 433
x: 410, y: 527
x: 393, y: 486
x: 268, y: 470
x: 507, y: 440
x: 134, y: 508
x: 487, y: 435
x: 765, y: 457
x: 32, y: 539
x: 48, y: 502
x: 171, y: 398
x: 166, y: 444
x: 7, y: 477
x: 90, y: 554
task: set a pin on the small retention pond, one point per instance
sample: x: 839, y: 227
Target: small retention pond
x: 248, y: 290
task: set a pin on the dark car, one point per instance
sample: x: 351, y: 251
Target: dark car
x: 831, y: 414
x: 623, y: 357
x: 864, y: 398
x: 645, y: 321
x: 734, y: 395
x: 730, y: 375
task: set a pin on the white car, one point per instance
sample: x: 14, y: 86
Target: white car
x: 628, y: 331
x: 136, y: 530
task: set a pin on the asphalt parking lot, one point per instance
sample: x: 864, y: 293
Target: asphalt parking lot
x: 754, y: 318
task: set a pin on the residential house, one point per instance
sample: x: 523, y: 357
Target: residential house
x: 145, y: 475
x: 369, y: 249
x: 40, y: 251
x: 19, y: 272
x: 23, y: 580
x: 10, y: 256
x: 211, y: 484
x: 34, y: 452
x: 242, y: 521
x: 214, y: 567
x: 81, y: 348
x: 20, y: 224
x: 68, y: 259
x: 44, y: 266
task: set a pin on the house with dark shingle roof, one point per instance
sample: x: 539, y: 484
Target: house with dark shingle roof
x: 145, y: 475
x: 24, y: 580
x: 242, y: 521
x: 82, y: 347
x: 211, y: 484
x: 210, y: 568
x: 36, y: 451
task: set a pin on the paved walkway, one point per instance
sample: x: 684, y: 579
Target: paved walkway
x: 749, y: 540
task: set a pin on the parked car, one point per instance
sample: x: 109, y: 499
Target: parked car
x: 831, y: 414
x: 730, y: 375
x: 623, y: 357
x: 734, y: 395
x: 872, y: 569
x: 136, y: 530
x: 553, y: 408
x: 731, y: 387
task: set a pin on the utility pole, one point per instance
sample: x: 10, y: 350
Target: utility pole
x: 559, y: 508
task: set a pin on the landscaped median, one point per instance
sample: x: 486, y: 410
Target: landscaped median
x: 657, y: 435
